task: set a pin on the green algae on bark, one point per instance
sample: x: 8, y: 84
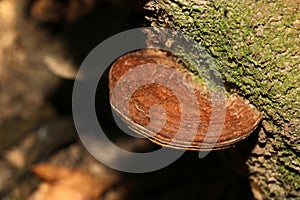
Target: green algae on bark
x: 256, y: 44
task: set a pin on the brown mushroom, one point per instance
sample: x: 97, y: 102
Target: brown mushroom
x: 241, y: 118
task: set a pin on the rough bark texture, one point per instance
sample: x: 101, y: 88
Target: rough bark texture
x: 256, y: 45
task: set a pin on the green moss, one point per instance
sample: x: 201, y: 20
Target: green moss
x: 256, y: 47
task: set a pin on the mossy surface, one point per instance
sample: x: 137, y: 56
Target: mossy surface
x: 256, y: 45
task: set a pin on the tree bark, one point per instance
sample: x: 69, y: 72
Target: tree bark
x: 256, y: 46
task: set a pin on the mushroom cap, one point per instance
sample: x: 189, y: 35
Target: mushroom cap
x: 136, y: 103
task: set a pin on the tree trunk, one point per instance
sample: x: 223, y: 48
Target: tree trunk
x: 256, y: 45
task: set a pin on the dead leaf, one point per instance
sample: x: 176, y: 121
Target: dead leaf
x: 62, y: 183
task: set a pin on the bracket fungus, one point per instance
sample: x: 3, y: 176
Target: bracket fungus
x: 148, y: 104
